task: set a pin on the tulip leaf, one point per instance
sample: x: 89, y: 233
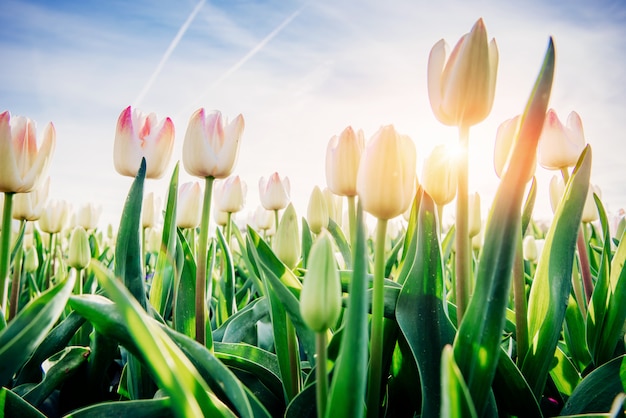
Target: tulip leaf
x: 342, y: 243
x: 512, y: 391
x: 347, y: 390
x: 552, y: 284
x: 29, y: 328
x: 226, y: 303
x: 307, y: 242
x: 184, y: 316
x: 477, y: 343
x: 143, y: 408
x: 529, y: 205
x: 456, y: 399
x: 164, y: 277
x: 12, y: 405
x: 574, y: 335
x: 421, y: 307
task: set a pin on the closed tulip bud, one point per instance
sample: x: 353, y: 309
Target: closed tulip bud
x: 317, y: 212
x: 211, y: 145
x: 221, y: 217
x: 505, y: 140
x: 54, y: 216
x: 560, y: 146
x: 320, y: 298
x: 343, y: 155
x: 475, y: 222
x: 263, y: 219
x: 477, y: 241
x: 274, y: 192
x: 286, y: 242
x: 29, y: 206
x: 386, y: 179
x: 79, y: 254
x: 31, y: 261
x: 590, y: 210
x: 88, y: 216
x: 557, y: 188
x: 142, y: 136
x: 461, y: 86
x: 529, y: 246
x: 150, y: 210
x: 189, y: 212
x: 230, y: 196
x: 153, y: 240
x: 439, y: 175
x: 334, y: 204
x: 22, y: 165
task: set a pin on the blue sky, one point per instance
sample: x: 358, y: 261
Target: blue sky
x: 299, y: 72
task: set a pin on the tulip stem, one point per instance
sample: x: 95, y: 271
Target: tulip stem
x: 5, y: 249
x: 352, y: 218
x: 585, y: 270
x: 16, y: 281
x: 321, y: 388
x: 378, y: 305
x: 462, y: 239
x: 201, y: 272
x: 276, y: 219
x: 519, y: 298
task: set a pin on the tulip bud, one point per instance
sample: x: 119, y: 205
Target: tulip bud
x: 343, y: 155
x: 320, y: 298
x: 439, y: 175
x: 29, y: 206
x: 560, y: 146
x: 221, y: 217
x: 230, y: 195
x: 590, y: 210
x: 557, y: 188
x: 505, y: 141
x: 274, y: 193
x: 461, y: 86
x: 54, y: 217
x: 386, y: 179
x: 79, y: 254
x: 474, y: 217
x: 263, y: 219
x: 211, y: 145
x: 317, y: 212
x: 529, y: 247
x: 142, y: 136
x: 153, y: 240
x: 22, y: 166
x: 31, y: 261
x: 189, y: 211
x: 334, y: 204
x: 88, y: 216
x: 150, y: 211
x: 286, y: 242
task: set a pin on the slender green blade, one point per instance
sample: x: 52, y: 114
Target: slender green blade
x: 184, y: 316
x: 456, y: 398
x: 12, y: 405
x: 144, y: 408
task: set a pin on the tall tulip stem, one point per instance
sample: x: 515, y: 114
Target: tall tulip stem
x: 5, y: 249
x: 17, y: 276
x: 321, y: 388
x: 352, y: 218
x: 462, y: 239
x: 378, y: 305
x: 201, y: 271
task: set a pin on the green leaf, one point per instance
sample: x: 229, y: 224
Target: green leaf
x: 184, y: 317
x: 307, y: 242
x: 598, y: 389
x: 124, y: 320
x: 144, y: 408
x: 574, y: 335
x: 477, y: 343
x: 421, y: 307
x: 12, y: 405
x: 226, y: 304
x: 552, y: 284
x: 564, y: 374
x: 29, y: 328
x: 456, y: 399
x: 347, y: 390
x: 512, y: 391
x: 164, y: 274
x: 340, y: 239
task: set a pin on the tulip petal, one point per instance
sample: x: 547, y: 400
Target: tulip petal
x: 436, y: 63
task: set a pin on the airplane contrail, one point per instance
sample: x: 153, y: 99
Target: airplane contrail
x: 168, y: 52
x: 246, y: 57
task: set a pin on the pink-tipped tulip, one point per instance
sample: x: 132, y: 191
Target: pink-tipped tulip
x: 142, y: 136
x: 461, y: 86
x: 211, y: 145
x: 230, y: 195
x: 560, y: 146
x: 274, y: 193
x: 22, y: 165
x: 343, y: 155
x: 54, y: 216
x: 29, y: 206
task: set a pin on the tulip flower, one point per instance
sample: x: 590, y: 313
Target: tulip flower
x: 461, y: 86
x: 317, y: 212
x: 334, y: 206
x: 22, y: 165
x: 221, y: 217
x: 505, y: 138
x: 79, y: 253
x: 530, y: 248
x: 590, y: 210
x: 439, y: 175
x: 557, y: 188
x: 343, y: 155
x: 386, y: 178
x: 150, y: 210
x: 286, y: 243
x: 31, y: 261
x: 54, y: 216
x: 142, y: 136
x: 29, y: 206
x: 560, y: 146
x: 230, y: 195
x: 274, y: 192
x: 211, y: 145
x: 188, y: 214
x: 88, y: 216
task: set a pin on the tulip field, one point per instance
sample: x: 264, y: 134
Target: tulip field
x: 180, y: 311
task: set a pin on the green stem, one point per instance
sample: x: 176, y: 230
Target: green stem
x: 519, y: 295
x: 378, y: 305
x: 321, y: 388
x: 144, y: 257
x: 5, y: 250
x: 585, y: 270
x: 201, y: 271
x: 48, y: 273
x: 228, y: 230
x: 352, y: 218
x: 294, y: 359
x: 16, y: 281
x: 462, y: 239
x: 276, y: 219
